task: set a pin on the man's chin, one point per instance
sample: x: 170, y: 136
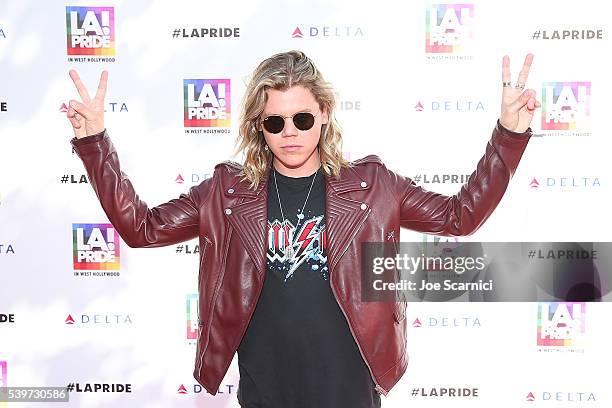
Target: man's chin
x: 293, y: 162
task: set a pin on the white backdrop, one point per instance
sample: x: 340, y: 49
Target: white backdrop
x: 425, y: 109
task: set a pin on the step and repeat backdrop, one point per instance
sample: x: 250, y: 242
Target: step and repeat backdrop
x: 418, y: 83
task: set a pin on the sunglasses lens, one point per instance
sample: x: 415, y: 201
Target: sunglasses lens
x: 274, y: 124
x: 303, y: 120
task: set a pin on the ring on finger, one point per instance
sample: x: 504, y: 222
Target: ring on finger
x: 519, y: 86
x: 507, y: 84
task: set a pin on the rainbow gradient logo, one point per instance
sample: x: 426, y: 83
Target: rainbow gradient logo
x: 448, y: 27
x: 3, y: 380
x: 560, y: 323
x: 565, y: 105
x: 192, y: 316
x: 95, y: 247
x: 207, y: 102
x: 90, y: 30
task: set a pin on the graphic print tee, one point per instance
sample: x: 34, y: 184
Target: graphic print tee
x: 298, y: 350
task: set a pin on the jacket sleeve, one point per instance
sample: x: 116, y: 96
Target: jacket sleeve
x: 138, y: 225
x: 464, y: 212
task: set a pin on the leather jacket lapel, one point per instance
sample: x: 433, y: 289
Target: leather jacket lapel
x: 249, y: 218
x: 343, y: 215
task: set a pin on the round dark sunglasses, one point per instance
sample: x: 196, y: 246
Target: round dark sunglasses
x: 276, y: 123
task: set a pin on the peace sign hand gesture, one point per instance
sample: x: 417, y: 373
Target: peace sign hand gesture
x: 87, y: 117
x: 517, y: 107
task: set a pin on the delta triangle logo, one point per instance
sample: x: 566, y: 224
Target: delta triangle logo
x: 297, y: 33
x: 182, y: 390
x: 179, y: 179
x: 69, y: 320
x: 416, y: 323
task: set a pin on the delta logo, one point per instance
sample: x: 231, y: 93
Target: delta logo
x: 560, y: 324
x: 448, y: 27
x: 443, y: 105
x: 562, y: 396
x: 223, y: 390
x: 207, y: 102
x: 447, y: 322
x: 111, y: 107
x: 193, y: 178
x: 566, y: 105
x: 98, y: 319
x: 565, y: 183
x: 327, y: 32
x: 95, y: 247
x: 90, y: 30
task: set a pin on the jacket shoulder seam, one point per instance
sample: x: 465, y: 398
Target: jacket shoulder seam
x: 230, y: 163
x: 371, y: 158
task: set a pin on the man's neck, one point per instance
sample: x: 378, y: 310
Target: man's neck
x: 306, y: 169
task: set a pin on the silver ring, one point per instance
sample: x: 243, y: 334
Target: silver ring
x: 506, y: 84
x: 519, y: 86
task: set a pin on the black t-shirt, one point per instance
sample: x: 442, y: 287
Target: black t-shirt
x: 298, y: 350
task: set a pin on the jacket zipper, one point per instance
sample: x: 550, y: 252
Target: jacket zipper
x: 260, y: 289
x: 198, y: 344
x: 215, y: 295
x: 207, y: 242
x: 377, y: 386
x: 391, y: 235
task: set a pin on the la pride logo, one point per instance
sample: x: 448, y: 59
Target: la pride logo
x: 207, y: 102
x: 95, y: 247
x: 566, y: 105
x: 90, y: 30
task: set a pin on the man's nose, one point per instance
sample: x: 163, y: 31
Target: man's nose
x: 289, y: 129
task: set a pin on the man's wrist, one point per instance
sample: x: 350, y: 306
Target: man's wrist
x: 96, y: 137
x: 504, y: 129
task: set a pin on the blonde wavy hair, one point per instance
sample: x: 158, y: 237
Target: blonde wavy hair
x: 282, y: 71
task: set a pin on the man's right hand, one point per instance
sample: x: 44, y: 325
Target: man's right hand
x: 87, y: 116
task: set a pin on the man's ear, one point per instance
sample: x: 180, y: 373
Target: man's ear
x: 324, y: 117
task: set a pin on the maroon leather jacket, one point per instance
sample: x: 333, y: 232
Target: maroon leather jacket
x: 367, y: 203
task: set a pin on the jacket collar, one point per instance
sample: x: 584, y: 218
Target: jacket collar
x: 349, y: 180
x: 249, y: 217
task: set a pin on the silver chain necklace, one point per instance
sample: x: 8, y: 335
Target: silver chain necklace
x: 289, y: 250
